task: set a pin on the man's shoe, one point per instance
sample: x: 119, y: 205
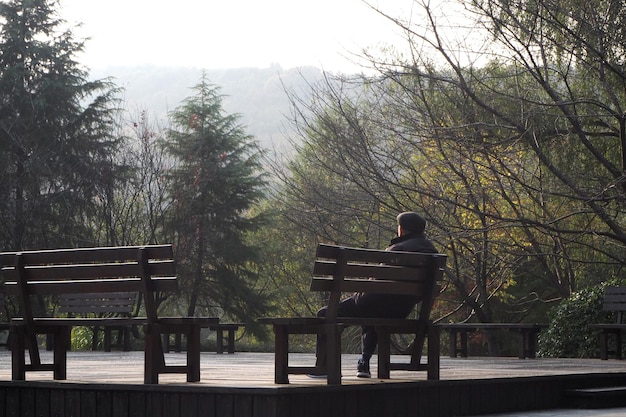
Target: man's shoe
x: 363, y: 369
x: 317, y: 376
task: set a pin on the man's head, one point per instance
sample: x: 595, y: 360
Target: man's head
x: 410, y: 222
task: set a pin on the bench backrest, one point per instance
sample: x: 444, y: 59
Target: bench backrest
x: 340, y: 270
x: 137, y: 269
x: 98, y: 304
x: 615, y: 300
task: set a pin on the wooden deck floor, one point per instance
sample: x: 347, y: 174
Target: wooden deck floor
x: 256, y: 370
x: 110, y: 384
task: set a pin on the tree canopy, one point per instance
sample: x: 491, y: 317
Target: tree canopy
x: 509, y: 141
x: 214, y: 184
x: 56, y: 146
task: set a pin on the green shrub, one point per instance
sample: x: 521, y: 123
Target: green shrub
x: 81, y: 338
x: 568, y: 334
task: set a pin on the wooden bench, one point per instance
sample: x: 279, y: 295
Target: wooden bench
x: 115, y: 304
x: 147, y: 270
x: 230, y: 329
x: 339, y: 270
x: 220, y: 329
x: 614, y: 301
x: 527, y: 336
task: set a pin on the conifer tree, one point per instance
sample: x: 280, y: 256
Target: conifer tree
x: 216, y: 182
x: 55, y: 145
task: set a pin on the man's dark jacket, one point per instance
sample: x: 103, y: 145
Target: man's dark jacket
x: 412, y: 243
x: 390, y: 305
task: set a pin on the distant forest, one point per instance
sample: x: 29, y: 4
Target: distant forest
x: 256, y: 94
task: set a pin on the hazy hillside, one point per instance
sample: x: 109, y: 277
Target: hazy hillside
x: 258, y: 95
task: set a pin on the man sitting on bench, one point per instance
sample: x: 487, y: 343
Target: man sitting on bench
x: 410, y: 238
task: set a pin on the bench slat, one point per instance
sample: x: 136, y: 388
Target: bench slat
x: 90, y: 286
x: 113, y: 302
x: 93, y: 309
x: 377, y: 256
x: 364, y: 285
x: 374, y: 270
x: 615, y: 300
x: 100, y: 303
x: 57, y: 271
x: 96, y: 254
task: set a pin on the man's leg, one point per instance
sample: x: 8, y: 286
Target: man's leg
x: 369, y: 339
x: 377, y: 305
x: 347, y: 308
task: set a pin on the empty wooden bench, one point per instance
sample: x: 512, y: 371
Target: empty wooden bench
x: 614, y: 301
x: 147, y: 270
x: 225, y: 332
x: 527, y: 336
x: 102, y: 305
x: 229, y: 329
x: 340, y: 270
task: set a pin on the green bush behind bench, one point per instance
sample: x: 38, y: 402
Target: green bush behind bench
x: 568, y: 334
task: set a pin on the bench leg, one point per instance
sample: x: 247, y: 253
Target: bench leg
x: 62, y: 341
x: 154, y: 361
x: 166, y: 342
x: 94, y: 337
x: 521, y: 348
x: 18, y: 354
x: 219, y: 333
x: 122, y: 338
x: 604, y: 337
x: 193, y: 354
x: 434, y: 345
x: 177, y: 345
x: 49, y: 342
x: 384, y: 352
x: 604, y: 346
x: 463, y: 348
x: 107, y: 338
x: 281, y: 357
x: 178, y: 342
x: 231, y: 340
x: 333, y: 356
x: 452, y: 345
x: 125, y: 334
x: 533, y: 337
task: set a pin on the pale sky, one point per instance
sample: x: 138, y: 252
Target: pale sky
x: 214, y: 34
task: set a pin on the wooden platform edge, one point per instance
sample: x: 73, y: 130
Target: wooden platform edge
x: 444, y: 398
